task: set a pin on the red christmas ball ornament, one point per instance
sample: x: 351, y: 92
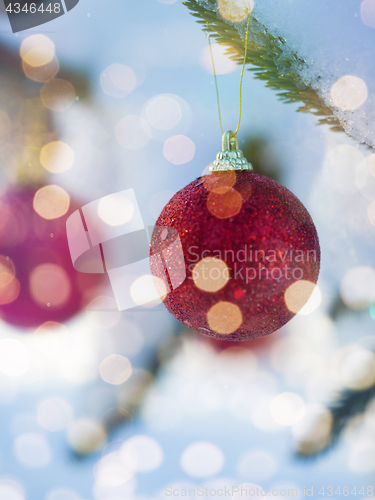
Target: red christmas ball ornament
x: 37, y: 280
x: 251, y: 251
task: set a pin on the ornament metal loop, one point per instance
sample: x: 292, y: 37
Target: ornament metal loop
x: 230, y: 158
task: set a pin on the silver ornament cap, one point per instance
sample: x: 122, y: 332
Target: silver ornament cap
x: 230, y: 158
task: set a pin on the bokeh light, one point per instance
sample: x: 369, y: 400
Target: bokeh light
x: 371, y: 213
x: 356, y: 367
x: 10, y: 292
x: 32, y: 450
x: 179, y: 149
x: 133, y: 132
x: 312, y: 303
x: 223, y: 63
x: 49, y: 285
x: 235, y: 11
x: 11, y: 490
x: 361, y: 459
x: 312, y: 433
x: 102, y: 312
x: 349, y: 92
x: 14, y: 358
x: 115, y: 209
x: 340, y: 167
x: 224, y: 318
x: 118, y: 80
x: 7, y: 271
x: 210, y: 274
x: 357, y: 287
x: 226, y: 205
x: 51, y: 202
x: 54, y: 414
x: 297, y: 295
x: 62, y: 494
x: 115, y: 469
x: 147, y: 453
x: 220, y: 182
x: 148, y: 290
x: 287, y: 408
x: 368, y: 12
x: 37, y: 50
x: 85, y: 435
x: 41, y: 73
x: 247, y: 491
x: 115, y: 369
x: 57, y: 157
x: 164, y: 112
x: 58, y: 94
x: 202, y: 459
x: 257, y: 465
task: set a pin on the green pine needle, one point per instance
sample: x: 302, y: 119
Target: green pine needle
x: 270, y: 59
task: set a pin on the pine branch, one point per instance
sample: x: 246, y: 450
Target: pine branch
x: 269, y: 57
x: 348, y: 405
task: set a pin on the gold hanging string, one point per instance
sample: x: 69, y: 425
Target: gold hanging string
x: 242, y: 73
x: 217, y: 89
x: 243, y: 69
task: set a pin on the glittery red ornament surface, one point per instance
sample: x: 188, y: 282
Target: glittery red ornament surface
x: 251, y: 254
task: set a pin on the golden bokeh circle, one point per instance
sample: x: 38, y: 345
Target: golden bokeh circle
x: 57, y: 157
x: 7, y: 271
x: 210, y: 274
x: 226, y: 205
x: 297, y: 294
x: 220, y: 182
x: 51, y: 202
x: 224, y: 317
x: 58, y: 94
